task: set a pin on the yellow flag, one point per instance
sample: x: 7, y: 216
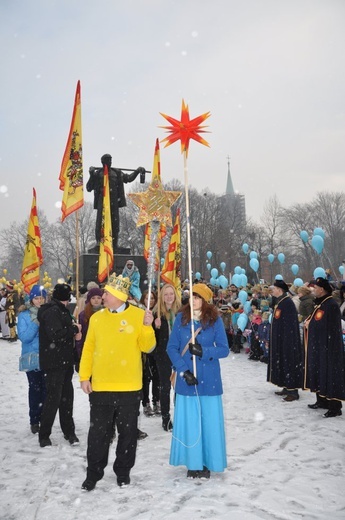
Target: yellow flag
x: 71, y: 173
x: 156, y: 174
x: 171, y: 271
x: 33, y: 252
x: 106, y: 255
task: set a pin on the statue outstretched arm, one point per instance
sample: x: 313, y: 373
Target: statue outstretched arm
x: 130, y: 177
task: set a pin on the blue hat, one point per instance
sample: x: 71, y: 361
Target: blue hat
x: 37, y: 290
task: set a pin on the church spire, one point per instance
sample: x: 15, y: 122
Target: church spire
x: 229, y: 186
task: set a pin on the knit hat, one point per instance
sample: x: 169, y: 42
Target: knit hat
x: 36, y: 291
x: 322, y: 282
x: 118, y: 286
x: 62, y: 292
x: 96, y: 291
x: 281, y: 285
x: 202, y: 290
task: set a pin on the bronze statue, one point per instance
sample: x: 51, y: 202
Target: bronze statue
x: 117, y: 193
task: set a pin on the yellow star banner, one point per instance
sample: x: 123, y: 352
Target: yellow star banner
x: 155, y: 203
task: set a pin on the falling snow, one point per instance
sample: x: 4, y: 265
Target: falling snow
x: 285, y: 461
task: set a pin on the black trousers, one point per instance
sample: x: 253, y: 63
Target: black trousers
x: 164, y: 371
x: 150, y: 373
x: 104, y: 406
x: 60, y: 396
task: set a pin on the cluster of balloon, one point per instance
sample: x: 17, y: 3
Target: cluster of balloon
x: 317, y: 241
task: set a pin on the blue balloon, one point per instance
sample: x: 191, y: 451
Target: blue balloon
x: 319, y: 232
x: 214, y: 273
x: 294, y: 269
x: 242, y: 321
x: 254, y: 264
x: 278, y: 277
x: 341, y: 269
x: 253, y: 254
x: 298, y: 282
x: 209, y: 255
x: 245, y: 248
x: 213, y: 281
x: 162, y: 261
x: 243, y: 296
x: 247, y: 307
x: 197, y: 275
x: 317, y: 242
x: 319, y: 272
x: 223, y: 281
x: 208, y: 267
x: 217, y: 282
x: 281, y: 258
x: 270, y: 258
x: 237, y: 269
x: 304, y: 236
x: 236, y: 280
x: 243, y: 280
x: 222, y: 266
x: 243, y: 271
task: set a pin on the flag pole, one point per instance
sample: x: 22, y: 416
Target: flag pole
x: 77, y: 261
x: 189, y: 254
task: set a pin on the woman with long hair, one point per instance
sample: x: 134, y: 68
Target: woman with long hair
x: 198, y: 440
x: 168, y: 305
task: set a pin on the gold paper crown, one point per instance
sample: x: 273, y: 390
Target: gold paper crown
x: 118, y: 286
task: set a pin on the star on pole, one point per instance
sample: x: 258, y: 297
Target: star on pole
x: 185, y: 129
x: 155, y: 203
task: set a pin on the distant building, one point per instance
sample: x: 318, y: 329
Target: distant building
x: 234, y: 203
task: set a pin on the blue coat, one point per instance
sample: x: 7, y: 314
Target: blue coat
x: 27, y: 332
x: 214, y: 345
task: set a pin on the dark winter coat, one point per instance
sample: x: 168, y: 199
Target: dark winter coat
x: 56, y: 336
x: 285, y: 365
x: 306, y: 306
x: 324, y: 366
x: 162, y: 338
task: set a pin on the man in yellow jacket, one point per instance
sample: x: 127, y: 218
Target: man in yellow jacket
x: 111, y: 373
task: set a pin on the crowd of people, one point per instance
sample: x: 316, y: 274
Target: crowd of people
x: 130, y: 348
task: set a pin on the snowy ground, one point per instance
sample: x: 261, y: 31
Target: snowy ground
x: 285, y: 461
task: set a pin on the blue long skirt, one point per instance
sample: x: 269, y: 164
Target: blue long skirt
x: 198, y: 437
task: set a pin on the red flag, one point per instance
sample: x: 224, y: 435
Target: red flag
x: 171, y: 271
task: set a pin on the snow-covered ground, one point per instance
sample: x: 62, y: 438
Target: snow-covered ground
x: 285, y: 461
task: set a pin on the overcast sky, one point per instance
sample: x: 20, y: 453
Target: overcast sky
x: 271, y: 72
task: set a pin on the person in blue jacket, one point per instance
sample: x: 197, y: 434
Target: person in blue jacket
x: 27, y: 328
x: 198, y: 439
x: 132, y: 272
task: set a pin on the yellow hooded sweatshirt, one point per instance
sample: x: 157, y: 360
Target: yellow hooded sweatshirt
x: 112, y: 350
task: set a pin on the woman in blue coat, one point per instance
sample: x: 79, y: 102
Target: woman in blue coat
x: 28, y: 334
x: 198, y: 440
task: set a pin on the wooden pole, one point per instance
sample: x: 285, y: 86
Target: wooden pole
x: 189, y: 254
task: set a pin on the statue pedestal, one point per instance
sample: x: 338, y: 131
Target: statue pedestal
x: 88, y: 267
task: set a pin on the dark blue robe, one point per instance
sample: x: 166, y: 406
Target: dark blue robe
x: 324, y: 351
x: 285, y: 365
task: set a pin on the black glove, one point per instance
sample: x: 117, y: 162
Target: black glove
x: 190, y: 379
x: 195, y: 349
